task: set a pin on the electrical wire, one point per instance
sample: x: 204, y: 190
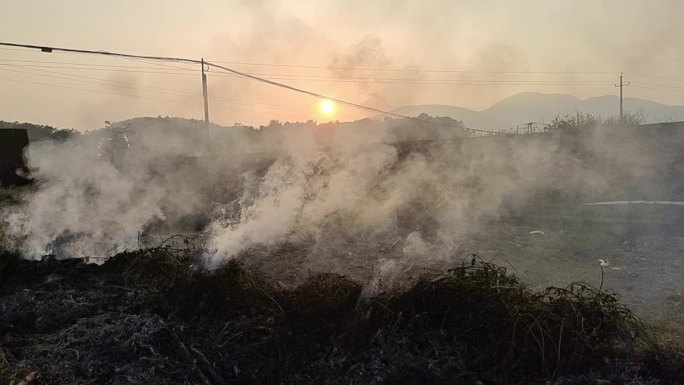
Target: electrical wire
x: 657, y: 88
x: 273, y: 82
x: 109, y: 66
x: 141, y: 88
x: 88, y: 89
x: 413, y: 70
x: 327, y: 78
x: 111, y: 83
x: 655, y: 77
x: 409, y: 81
x: 49, y: 49
x: 140, y: 96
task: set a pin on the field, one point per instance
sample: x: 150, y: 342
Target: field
x: 145, y: 317
x: 150, y: 317
x: 356, y: 259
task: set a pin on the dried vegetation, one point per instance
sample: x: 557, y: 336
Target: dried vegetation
x: 149, y: 317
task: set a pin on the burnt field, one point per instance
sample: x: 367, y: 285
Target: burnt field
x: 327, y: 255
x: 149, y: 317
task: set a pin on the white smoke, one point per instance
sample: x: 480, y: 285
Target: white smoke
x: 86, y: 200
x: 375, y: 195
x: 266, y: 218
x: 302, y: 191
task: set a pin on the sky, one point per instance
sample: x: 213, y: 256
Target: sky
x: 381, y: 53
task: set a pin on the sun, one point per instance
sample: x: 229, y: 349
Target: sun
x: 327, y: 107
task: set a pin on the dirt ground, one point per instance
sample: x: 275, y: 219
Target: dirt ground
x: 645, y: 268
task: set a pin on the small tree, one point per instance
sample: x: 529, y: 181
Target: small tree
x: 583, y: 121
x: 573, y: 124
x: 629, y: 119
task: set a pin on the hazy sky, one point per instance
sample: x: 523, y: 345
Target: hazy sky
x: 384, y: 53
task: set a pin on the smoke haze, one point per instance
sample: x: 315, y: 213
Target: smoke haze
x: 324, y: 46
x: 423, y: 188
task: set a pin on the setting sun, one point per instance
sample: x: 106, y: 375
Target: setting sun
x: 327, y: 107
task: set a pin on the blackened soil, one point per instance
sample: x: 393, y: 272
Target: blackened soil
x: 149, y: 318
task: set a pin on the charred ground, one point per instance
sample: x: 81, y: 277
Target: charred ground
x: 343, y: 293
x: 149, y: 317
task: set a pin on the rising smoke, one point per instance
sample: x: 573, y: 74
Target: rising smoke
x: 372, y: 194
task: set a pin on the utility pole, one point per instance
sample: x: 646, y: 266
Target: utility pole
x: 621, y: 85
x: 206, y: 101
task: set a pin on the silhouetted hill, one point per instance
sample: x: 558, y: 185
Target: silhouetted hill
x: 542, y: 108
x: 651, y: 111
x: 531, y: 107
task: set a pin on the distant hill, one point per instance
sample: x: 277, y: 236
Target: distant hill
x: 542, y: 108
x: 531, y: 107
x: 652, y: 112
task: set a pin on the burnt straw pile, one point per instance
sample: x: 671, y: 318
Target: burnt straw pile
x: 150, y: 317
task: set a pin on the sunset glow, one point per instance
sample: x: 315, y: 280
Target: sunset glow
x: 327, y: 107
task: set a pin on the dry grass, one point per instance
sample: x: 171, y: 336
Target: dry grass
x: 234, y: 325
x: 515, y: 331
x: 5, y: 368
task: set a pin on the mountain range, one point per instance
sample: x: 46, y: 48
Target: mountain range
x: 542, y: 108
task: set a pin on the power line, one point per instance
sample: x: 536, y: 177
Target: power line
x: 139, y: 87
x: 108, y: 66
x: 274, y: 83
x: 88, y: 89
x: 112, y: 83
x: 655, y: 77
x: 659, y: 85
x: 137, y: 96
x: 659, y: 88
x: 346, y: 79
x: 50, y: 49
x: 412, y: 70
x: 116, y: 70
x: 453, y: 82
x: 133, y: 87
x: 408, y: 81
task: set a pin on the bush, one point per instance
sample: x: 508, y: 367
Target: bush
x: 516, y: 332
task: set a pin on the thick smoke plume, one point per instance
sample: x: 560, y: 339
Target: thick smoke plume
x: 386, y: 196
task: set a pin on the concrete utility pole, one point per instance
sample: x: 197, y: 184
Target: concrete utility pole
x: 621, y: 85
x: 206, y: 100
